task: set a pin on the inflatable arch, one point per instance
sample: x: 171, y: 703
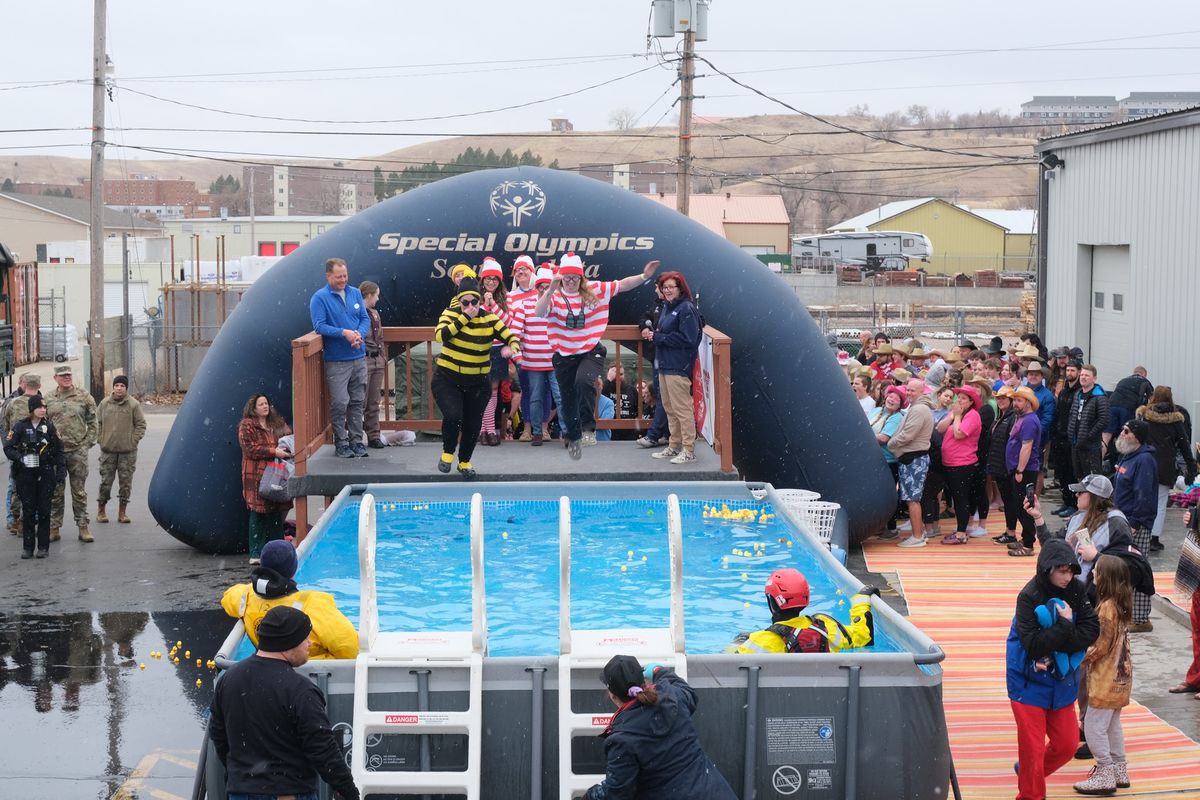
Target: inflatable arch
x: 796, y: 422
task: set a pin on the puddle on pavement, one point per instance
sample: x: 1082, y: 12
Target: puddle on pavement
x: 79, y: 715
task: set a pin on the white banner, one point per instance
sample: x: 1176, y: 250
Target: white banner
x: 703, y: 391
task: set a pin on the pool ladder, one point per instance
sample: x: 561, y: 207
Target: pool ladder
x: 419, y: 652
x: 590, y: 650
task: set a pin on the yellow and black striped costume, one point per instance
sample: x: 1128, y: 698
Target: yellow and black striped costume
x: 467, y: 342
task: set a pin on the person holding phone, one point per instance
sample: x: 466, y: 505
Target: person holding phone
x: 1022, y: 456
x: 258, y: 434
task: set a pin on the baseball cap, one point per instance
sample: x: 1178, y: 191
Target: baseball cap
x: 1093, y: 484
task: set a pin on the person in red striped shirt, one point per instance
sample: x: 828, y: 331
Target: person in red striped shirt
x: 523, y: 296
x: 495, y: 300
x: 578, y: 314
x: 536, y: 360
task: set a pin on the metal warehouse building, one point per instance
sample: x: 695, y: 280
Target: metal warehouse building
x: 1120, y: 212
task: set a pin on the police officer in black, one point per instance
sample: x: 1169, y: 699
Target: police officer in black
x: 38, y: 465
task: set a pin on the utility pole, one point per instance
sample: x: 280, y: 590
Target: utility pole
x: 96, y: 223
x: 253, y: 246
x: 686, y: 73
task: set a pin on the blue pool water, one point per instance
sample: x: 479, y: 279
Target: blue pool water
x: 619, y: 570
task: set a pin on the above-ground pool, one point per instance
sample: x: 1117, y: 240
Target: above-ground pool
x: 860, y: 723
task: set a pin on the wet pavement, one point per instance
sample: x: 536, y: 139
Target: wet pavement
x: 81, y: 719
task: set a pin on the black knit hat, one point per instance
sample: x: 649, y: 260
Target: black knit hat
x: 280, y: 556
x: 35, y: 401
x: 622, y: 673
x: 1139, y: 428
x: 121, y: 379
x: 283, y: 628
x: 467, y: 286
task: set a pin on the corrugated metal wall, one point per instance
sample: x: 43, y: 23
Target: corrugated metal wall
x: 1144, y: 192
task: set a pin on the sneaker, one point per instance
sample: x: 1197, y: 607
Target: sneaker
x: 26, y: 554
x: 1061, y: 508
x: 574, y: 449
x: 1156, y: 546
x: 444, y: 466
x: 669, y: 452
x: 343, y: 451
x: 977, y: 532
x: 1021, y: 551
x: 663, y: 441
x: 255, y: 561
x: 359, y: 450
x: 1084, y: 752
x: 905, y: 526
x: 535, y: 440
x: 1004, y: 538
x: 42, y: 554
x: 646, y: 442
x: 888, y: 535
x: 1141, y: 627
x: 684, y: 458
x: 466, y: 470
x: 910, y: 541
x: 588, y: 439
x: 376, y: 444
x: 1068, y: 511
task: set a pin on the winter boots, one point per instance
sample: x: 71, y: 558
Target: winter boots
x: 1101, y: 781
x: 121, y: 517
x: 84, y: 534
x: 101, y: 514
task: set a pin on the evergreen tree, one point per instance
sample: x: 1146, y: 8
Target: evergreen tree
x: 380, y: 184
x: 8, y: 185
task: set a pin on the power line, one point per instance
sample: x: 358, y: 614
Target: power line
x: 394, y: 121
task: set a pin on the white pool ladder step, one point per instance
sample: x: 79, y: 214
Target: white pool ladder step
x: 589, y: 650
x: 418, y: 650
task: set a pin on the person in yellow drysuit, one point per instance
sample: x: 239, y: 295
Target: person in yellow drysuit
x: 793, y: 632
x: 271, y: 584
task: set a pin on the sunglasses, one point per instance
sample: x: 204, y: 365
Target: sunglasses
x: 468, y: 301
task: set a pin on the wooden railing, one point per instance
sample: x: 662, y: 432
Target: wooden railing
x: 310, y: 399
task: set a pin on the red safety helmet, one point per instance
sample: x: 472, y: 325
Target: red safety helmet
x: 786, y: 589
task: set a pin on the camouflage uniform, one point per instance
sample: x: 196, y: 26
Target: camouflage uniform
x: 122, y: 425
x: 73, y: 412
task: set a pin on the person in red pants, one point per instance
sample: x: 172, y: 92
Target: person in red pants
x: 1191, y: 681
x: 1042, y: 696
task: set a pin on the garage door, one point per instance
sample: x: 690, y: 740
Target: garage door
x: 1111, y: 347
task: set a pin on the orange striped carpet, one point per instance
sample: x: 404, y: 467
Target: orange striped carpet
x: 964, y: 597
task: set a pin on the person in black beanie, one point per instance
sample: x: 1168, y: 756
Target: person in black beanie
x: 651, y: 747
x: 269, y: 724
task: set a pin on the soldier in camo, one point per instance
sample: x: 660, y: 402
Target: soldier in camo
x: 15, y: 409
x: 122, y: 426
x: 73, y: 412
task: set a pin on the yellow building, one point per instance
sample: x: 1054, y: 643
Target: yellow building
x: 963, y: 241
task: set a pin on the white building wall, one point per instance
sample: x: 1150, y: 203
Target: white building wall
x: 1139, y: 191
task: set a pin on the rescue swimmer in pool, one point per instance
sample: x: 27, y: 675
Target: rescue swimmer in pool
x: 791, y: 631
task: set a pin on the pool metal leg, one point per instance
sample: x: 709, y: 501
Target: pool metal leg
x: 423, y: 706
x: 750, y: 754
x: 852, y: 698
x: 536, y: 733
x: 322, y: 681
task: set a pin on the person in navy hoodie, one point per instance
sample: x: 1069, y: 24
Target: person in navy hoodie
x: 1136, y: 496
x: 340, y: 316
x: 651, y: 746
x: 1043, y: 699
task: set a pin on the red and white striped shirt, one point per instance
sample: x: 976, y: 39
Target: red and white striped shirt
x: 536, y: 353
x: 577, y: 341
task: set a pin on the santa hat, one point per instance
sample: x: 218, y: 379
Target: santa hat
x: 570, y: 264
x: 545, y: 274
x: 490, y: 268
x: 523, y: 261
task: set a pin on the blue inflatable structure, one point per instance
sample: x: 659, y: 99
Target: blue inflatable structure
x: 796, y: 422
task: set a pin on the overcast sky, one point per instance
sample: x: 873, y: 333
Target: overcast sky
x: 369, y: 61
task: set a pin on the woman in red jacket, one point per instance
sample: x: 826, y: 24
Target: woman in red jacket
x: 258, y: 434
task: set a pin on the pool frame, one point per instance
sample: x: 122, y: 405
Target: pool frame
x: 747, y: 703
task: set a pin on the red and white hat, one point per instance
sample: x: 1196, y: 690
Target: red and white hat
x: 570, y: 264
x: 490, y: 268
x: 545, y: 274
x: 523, y: 261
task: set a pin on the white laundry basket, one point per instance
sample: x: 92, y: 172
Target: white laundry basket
x: 794, y: 499
x: 818, y: 517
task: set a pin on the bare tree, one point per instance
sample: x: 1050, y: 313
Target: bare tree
x: 622, y: 118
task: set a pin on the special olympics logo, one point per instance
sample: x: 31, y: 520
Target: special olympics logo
x: 518, y: 201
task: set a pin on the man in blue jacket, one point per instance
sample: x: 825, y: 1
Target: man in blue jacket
x: 1136, y: 496
x: 340, y: 316
x: 1043, y: 698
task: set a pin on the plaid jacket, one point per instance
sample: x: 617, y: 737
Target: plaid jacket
x: 257, y: 451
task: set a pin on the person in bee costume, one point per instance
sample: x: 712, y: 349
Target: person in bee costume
x: 793, y: 632
x: 38, y: 466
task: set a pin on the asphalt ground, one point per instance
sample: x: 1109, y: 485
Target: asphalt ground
x: 77, y: 628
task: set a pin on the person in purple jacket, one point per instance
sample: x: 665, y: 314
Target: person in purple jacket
x: 340, y: 316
